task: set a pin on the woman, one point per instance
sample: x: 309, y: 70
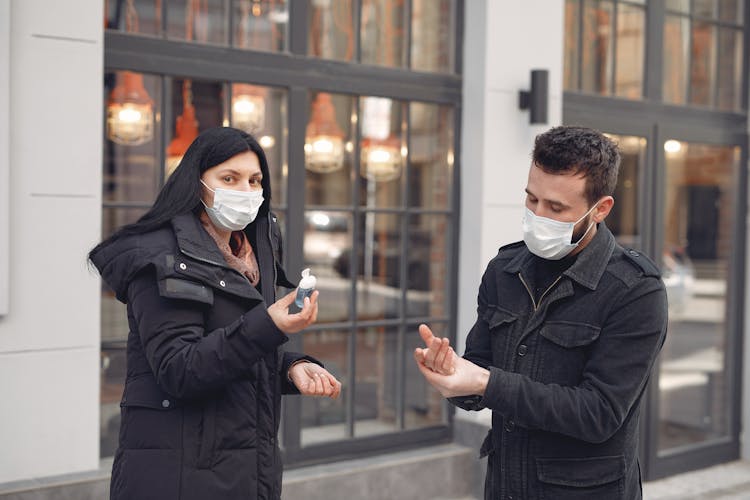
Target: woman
x: 200, y: 409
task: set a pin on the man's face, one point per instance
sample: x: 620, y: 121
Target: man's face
x: 560, y: 197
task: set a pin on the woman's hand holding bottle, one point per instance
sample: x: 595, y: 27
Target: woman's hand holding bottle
x: 293, y: 323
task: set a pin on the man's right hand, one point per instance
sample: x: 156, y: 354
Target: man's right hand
x: 293, y: 323
x: 438, y: 355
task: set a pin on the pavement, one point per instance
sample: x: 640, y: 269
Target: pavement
x: 729, y: 481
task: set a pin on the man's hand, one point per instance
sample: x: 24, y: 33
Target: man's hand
x: 450, y: 374
x: 437, y: 355
x: 314, y: 380
x: 293, y: 323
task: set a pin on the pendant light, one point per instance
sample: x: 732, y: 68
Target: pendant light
x: 186, y: 129
x: 324, y: 140
x: 248, y: 101
x: 130, y: 110
x: 381, y: 154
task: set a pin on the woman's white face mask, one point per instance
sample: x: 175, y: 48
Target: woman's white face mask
x: 233, y: 210
x: 548, y: 238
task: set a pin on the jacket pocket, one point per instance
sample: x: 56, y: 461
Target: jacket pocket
x: 150, y: 418
x: 500, y: 323
x: 581, y: 478
x: 564, y: 350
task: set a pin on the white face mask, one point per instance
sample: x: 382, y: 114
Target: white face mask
x: 233, y: 210
x: 548, y: 238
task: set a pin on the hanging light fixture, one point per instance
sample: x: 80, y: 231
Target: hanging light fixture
x: 324, y: 140
x: 186, y: 129
x: 248, y: 108
x: 130, y: 110
x: 381, y: 154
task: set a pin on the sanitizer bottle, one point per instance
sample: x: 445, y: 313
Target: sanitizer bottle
x: 305, y: 288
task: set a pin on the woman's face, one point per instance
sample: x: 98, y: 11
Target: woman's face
x: 241, y: 173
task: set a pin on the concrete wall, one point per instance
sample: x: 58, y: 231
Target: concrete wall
x: 503, y: 42
x: 745, y: 420
x: 49, y: 339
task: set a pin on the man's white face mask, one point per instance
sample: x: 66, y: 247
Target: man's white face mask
x: 548, y: 238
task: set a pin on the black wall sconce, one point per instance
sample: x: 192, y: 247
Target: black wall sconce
x: 535, y: 100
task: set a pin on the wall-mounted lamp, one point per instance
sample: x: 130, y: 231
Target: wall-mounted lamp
x: 535, y: 100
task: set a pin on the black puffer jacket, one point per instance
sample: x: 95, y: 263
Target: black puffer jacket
x: 200, y: 409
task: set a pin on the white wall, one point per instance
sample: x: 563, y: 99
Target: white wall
x: 49, y: 340
x: 503, y: 42
x: 4, y: 153
x: 745, y: 416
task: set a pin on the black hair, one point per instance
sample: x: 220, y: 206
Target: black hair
x: 181, y: 193
x: 580, y: 150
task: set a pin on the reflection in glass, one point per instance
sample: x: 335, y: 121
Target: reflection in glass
x: 324, y: 419
x: 382, y: 32
x: 597, y: 47
x: 631, y: 26
x: 682, y: 6
x: 375, y: 385
x: 424, y: 406
x: 703, y: 67
x: 327, y: 252
x: 732, y: 11
x: 331, y: 29
x: 706, y: 8
x: 730, y: 69
x: 378, y: 267
x: 381, y: 150
x: 572, y: 36
x: 676, y: 59
x: 427, y: 266
x: 430, y: 156
x: 130, y: 170
x: 260, y: 25
x: 202, y: 21
x: 432, y: 35
x: 699, y: 217
x: 328, y: 140
x: 141, y: 17
x: 623, y: 219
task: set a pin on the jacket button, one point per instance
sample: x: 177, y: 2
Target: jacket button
x: 522, y: 350
x: 183, y: 266
x: 633, y: 253
x: 222, y: 283
x: 165, y: 403
x: 509, y: 426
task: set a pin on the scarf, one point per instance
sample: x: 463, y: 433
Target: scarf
x: 238, y: 252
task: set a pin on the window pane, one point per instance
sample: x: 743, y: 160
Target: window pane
x: 623, y: 219
x: 382, y: 151
x: 382, y: 32
x: 730, y: 69
x: 203, y: 21
x: 379, y: 267
x: 732, y: 11
x: 138, y: 17
x: 324, y: 419
x: 706, y: 8
x: 260, y: 25
x: 331, y: 29
x: 676, y: 59
x: 432, y: 35
x: 682, y: 6
x: 424, y: 406
x: 196, y: 105
x: 375, y: 386
x: 262, y: 112
x: 703, y: 70
x: 427, y: 276
x: 327, y: 252
x: 631, y: 25
x: 131, y: 152
x: 430, y: 156
x: 699, y: 222
x: 597, y: 47
x: 572, y: 36
x: 328, y: 148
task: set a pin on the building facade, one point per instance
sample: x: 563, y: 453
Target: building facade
x: 399, y: 154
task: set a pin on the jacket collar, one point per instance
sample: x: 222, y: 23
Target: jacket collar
x: 588, y: 268
x: 194, y: 241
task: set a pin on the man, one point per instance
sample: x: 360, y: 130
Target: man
x: 569, y: 325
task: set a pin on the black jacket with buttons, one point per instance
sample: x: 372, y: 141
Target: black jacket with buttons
x: 200, y: 408
x: 568, y: 370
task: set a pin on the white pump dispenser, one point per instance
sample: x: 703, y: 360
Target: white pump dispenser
x: 305, y: 288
